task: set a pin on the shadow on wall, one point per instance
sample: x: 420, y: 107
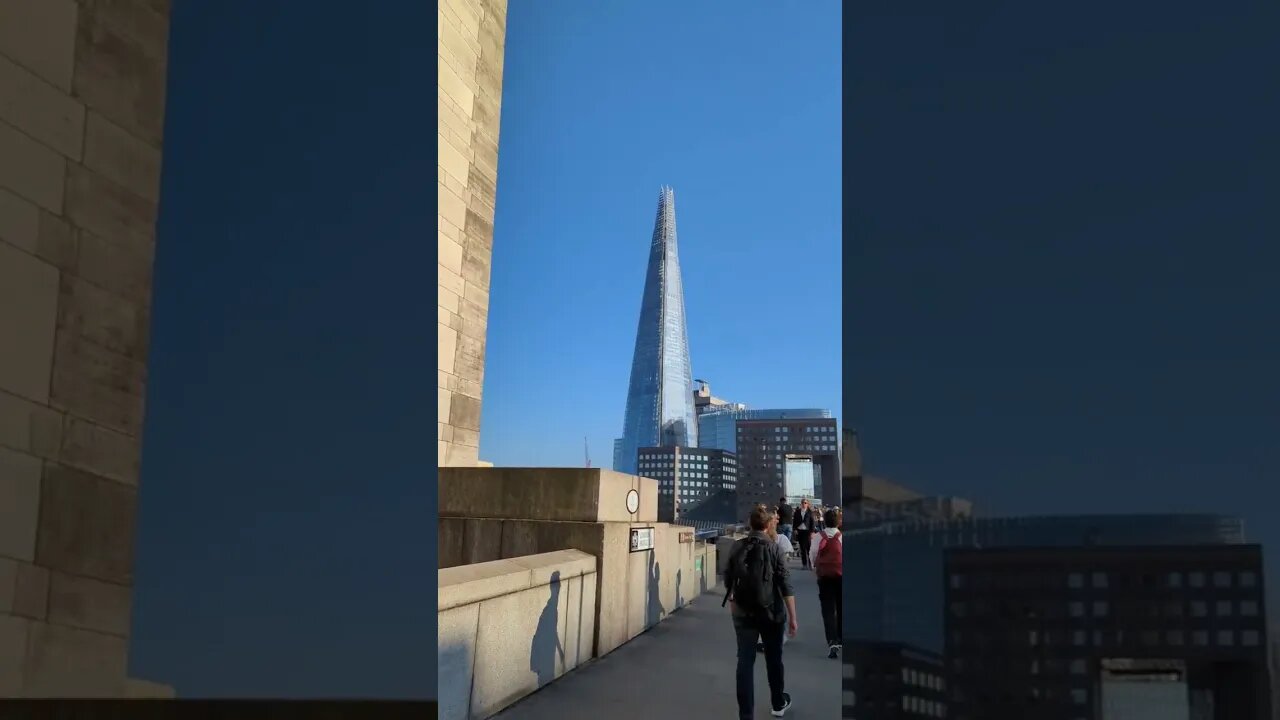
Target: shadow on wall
x: 546, y: 639
x: 679, y: 587
x: 454, y: 671
x: 655, y: 610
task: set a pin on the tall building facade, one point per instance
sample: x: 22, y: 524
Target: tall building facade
x: 1057, y: 632
x: 899, y: 565
x: 470, y: 46
x: 764, y: 448
x: 660, y: 400
x: 689, y: 480
x: 718, y: 428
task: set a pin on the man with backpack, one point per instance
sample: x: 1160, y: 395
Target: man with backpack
x: 828, y: 564
x: 759, y: 592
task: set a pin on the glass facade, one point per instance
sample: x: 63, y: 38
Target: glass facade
x: 900, y: 591
x: 718, y: 428
x: 660, y: 395
x: 688, y: 478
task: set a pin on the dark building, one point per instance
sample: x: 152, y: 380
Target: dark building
x: 893, y: 681
x: 869, y: 501
x: 764, y: 446
x: 1085, y: 633
x: 899, y: 565
x: 689, y: 479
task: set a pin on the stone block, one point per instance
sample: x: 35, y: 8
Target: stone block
x: 67, y: 662
x: 19, y: 221
x: 13, y: 654
x: 450, y: 84
x: 103, y: 318
x: 40, y: 35
x: 29, y: 427
x: 461, y: 455
x: 57, y: 242
x: 31, y: 591
x: 450, y: 280
x: 100, y: 451
x: 517, y: 647
x: 87, y: 525
x: 97, y: 384
x: 447, y: 299
x: 120, y: 77
x: 560, y: 494
x: 443, y: 397
x: 145, y: 21
x: 475, y: 267
x: 464, y: 412
x: 89, y: 604
x: 446, y: 347
x: 456, y: 659
x: 451, y: 206
x: 40, y: 110
x: 112, y: 152
x: 20, y: 497
x: 449, y: 254
x: 122, y: 265
x: 475, y: 319
x: 31, y: 170
x: 105, y: 208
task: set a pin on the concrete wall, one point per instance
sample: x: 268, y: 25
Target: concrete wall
x: 82, y: 94
x: 635, y: 590
x: 470, y: 36
x: 508, y: 627
x: 578, y: 494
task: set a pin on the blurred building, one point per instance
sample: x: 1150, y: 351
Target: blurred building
x: 888, y: 681
x: 870, y: 501
x: 718, y: 428
x: 688, y: 479
x: 898, y: 596
x: 1097, y: 633
x: 765, y: 446
x: 705, y: 402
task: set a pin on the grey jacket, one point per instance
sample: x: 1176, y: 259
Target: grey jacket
x: 781, y: 576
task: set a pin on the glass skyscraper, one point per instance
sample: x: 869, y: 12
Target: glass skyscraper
x: 660, y: 409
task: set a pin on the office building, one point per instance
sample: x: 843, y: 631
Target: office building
x: 764, y: 448
x: 1094, y: 633
x: 690, y: 480
x: 893, y: 681
x: 899, y: 565
x: 659, y: 411
x: 719, y: 428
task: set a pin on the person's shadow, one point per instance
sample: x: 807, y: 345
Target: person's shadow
x: 546, y: 639
x: 655, y: 609
x: 679, y: 585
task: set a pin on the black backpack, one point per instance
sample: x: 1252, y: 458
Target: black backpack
x: 751, y: 565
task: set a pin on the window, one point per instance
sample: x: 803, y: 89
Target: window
x: 1078, y: 667
x: 1249, y: 638
x: 1100, y: 608
x: 1222, y: 579
x: 1075, y: 581
x: 1196, y: 579
x: 1249, y: 608
x: 1223, y: 608
x: 1099, y: 580
x: 1173, y: 637
x: 1200, y: 638
x: 1078, y: 638
x: 1079, y: 696
x: 1226, y: 638
x: 1077, y: 609
x: 1198, y: 609
x: 1174, y: 580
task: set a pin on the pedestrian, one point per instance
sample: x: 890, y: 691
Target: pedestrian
x: 785, y: 513
x: 803, y: 526
x: 828, y: 563
x: 784, y: 546
x: 763, y: 604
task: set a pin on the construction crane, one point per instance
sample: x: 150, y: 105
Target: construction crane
x: 586, y: 450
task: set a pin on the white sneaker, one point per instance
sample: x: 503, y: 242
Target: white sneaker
x: 786, y: 705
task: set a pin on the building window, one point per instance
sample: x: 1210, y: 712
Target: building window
x: 1100, y: 608
x: 1249, y: 608
x: 1226, y: 638
x: 1198, y: 609
x: 1075, y: 581
x: 1223, y: 608
x: 1175, y: 580
x: 1079, y: 696
x: 1196, y: 579
x: 1200, y: 638
x: 1100, y: 580
x: 1249, y: 638
x: 1248, y: 579
x: 1077, y: 609
x: 1222, y: 579
x: 1078, y: 667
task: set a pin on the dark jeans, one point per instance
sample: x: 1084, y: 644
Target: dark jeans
x: 805, y: 538
x: 770, y: 633
x: 830, y: 594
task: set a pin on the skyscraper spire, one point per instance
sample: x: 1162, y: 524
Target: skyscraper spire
x: 660, y: 395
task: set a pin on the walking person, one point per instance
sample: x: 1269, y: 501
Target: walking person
x: 762, y: 600
x: 803, y: 526
x: 784, y: 546
x: 785, y: 513
x: 828, y: 563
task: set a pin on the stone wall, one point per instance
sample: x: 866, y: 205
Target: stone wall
x: 82, y: 93
x: 509, y: 627
x: 470, y: 40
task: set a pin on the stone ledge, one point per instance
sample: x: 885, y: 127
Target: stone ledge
x: 468, y: 584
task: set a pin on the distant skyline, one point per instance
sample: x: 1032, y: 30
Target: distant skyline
x: 603, y: 104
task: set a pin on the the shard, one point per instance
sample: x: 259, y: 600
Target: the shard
x: 660, y: 396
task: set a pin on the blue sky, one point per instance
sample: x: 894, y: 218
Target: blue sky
x: 603, y: 103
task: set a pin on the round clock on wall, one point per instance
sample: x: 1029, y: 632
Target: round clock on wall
x: 633, y: 501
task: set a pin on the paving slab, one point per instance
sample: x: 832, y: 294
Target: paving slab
x: 684, y: 668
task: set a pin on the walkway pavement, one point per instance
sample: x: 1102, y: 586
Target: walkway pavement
x: 684, y: 668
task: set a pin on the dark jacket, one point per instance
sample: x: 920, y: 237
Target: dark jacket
x: 781, y: 578
x: 809, y: 517
x: 785, y: 512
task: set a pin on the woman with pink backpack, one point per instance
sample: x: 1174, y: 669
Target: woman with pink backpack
x: 827, y: 560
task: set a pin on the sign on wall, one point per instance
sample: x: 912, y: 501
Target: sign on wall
x: 641, y: 539
x: 686, y: 536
